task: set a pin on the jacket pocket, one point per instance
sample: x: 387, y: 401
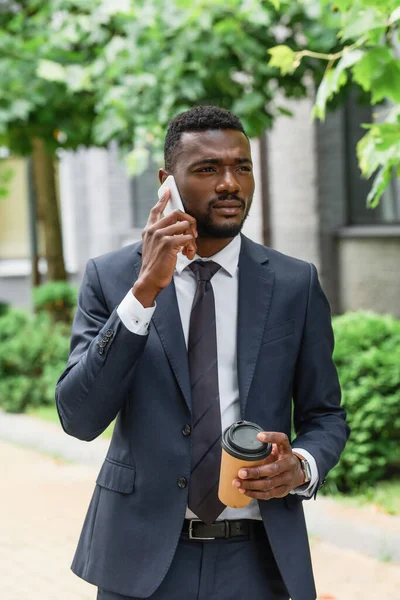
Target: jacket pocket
x: 116, y: 477
x: 276, y: 332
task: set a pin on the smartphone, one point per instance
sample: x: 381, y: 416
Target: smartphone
x: 175, y: 202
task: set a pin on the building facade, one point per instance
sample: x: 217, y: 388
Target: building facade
x: 310, y: 202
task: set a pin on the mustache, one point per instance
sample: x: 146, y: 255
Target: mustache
x: 227, y: 197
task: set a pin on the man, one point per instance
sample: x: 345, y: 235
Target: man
x: 178, y: 337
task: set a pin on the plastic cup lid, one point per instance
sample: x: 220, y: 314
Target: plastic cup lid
x: 240, y: 440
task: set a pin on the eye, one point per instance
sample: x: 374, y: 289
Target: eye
x: 206, y: 170
x: 244, y: 168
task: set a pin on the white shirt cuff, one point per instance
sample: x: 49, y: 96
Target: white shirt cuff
x: 308, y: 491
x: 134, y: 315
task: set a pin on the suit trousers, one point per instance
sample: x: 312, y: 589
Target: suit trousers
x: 233, y: 569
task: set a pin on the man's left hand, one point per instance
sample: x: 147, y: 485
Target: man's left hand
x: 281, y: 474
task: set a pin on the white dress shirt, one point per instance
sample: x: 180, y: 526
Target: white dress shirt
x: 225, y: 286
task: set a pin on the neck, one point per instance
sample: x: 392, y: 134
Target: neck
x: 207, y: 247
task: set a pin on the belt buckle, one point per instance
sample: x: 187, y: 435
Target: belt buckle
x: 191, y: 536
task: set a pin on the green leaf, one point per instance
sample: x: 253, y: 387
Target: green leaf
x: 106, y: 127
x: 78, y: 78
x: 359, y: 21
x: 50, y: 70
x: 112, y: 7
x: 324, y: 94
x: 381, y: 182
x: 283, y: 58
x: 370, y: 66
x: 282, y: 110
x: 6, y: 176
x: 387, y: 85
x: 248, y: 103
x: 387, y: 136
x: 395, y: 16
x: 137, y: 160
x: 20, y: 109
x: 348, y: 59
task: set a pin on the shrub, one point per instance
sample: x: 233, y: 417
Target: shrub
x: 367, y: 355
x: 33, y: 353
x: 58, y: 298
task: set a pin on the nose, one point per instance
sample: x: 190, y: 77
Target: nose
x: 228, y: 183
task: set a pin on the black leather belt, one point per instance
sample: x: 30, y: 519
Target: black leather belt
x: 195, y: 529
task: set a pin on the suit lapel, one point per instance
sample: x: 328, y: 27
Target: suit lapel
x: 167, y: 321
x: 256, y: 285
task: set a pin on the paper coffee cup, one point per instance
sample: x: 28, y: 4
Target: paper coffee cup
x: 240, y: 448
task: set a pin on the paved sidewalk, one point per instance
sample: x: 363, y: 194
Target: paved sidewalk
x: 49, y: 438
x: 43, y: 503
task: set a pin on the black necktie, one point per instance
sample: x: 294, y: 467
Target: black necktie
x: 203, y: 368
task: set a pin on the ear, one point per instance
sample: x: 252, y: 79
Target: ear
x: 162, y: 175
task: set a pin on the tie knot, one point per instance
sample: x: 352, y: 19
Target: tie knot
x: 204, y: 270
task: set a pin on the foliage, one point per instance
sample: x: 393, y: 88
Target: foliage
x: 6, y: 176
x: 367, y: 355
x: 4, y: 306
x: 370, y: 31
x: 384, y: 497
x: 58, y: 298
x: 33, y: 353
x: 84, y: 73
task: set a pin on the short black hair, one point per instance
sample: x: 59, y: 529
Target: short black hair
x: 199, y: 118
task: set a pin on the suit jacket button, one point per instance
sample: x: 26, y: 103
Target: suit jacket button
x: 182, y: 483
x: 187, y: 430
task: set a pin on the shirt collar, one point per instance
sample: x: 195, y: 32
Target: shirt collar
x: 227, y: 258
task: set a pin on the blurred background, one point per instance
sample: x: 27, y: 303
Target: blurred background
x: 87, y: 88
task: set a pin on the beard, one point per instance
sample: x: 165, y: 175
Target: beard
x: 206, y: 228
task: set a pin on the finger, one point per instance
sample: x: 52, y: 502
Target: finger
x: 267, y: 470
x: 279, y: 492
x: 158, y: 209
x: 265, y: 484
x: 174, y: 217
x: 176, y: 228
x: 178, y: 215
x: 278, y: 438
x: 180, y: 241
x: 191, y: 250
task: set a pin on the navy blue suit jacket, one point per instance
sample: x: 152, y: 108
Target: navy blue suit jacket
x: 285, y: 344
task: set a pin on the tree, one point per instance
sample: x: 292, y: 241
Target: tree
x: 369, y: 30
x: 33, y: 111
x: 85, y: 72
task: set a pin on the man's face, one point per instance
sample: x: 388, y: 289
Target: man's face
x: 214, y: 174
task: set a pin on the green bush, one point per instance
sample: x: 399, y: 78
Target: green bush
x: 58, y: 298
x: 367, y: 355
x: 3, y: 308
x: 33, y: 354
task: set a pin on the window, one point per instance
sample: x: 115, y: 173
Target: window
x: 388, y: 211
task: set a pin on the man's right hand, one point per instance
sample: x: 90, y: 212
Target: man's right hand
x: 163, y: 238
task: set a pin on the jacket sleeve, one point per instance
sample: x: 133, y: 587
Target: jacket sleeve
x: 100, y: 369
x: 319, y: 419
